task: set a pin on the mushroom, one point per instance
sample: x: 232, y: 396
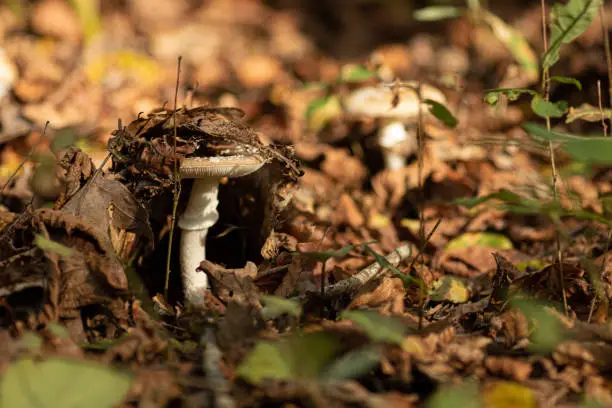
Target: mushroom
x: 201, y: 213
x: 379, y: 102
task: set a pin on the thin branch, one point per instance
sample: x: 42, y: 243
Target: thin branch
x: 177, y: 181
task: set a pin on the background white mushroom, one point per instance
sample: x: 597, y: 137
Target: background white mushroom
x: 396, y: 141
x: 201, y: 213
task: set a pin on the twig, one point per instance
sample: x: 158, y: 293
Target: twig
x: 177, y: 181
x: 356, y: 281
x: 601, y: 112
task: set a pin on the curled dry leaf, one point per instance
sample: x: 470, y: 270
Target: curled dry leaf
x: 237, y: 285
x: 88, y: 274
x: 104, y: 203
x: 387, y: 297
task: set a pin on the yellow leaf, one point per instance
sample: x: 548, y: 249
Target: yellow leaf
x: 138, y: 67
x: 506, y: 394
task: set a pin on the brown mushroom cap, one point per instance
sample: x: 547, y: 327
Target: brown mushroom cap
x: 220, y: 166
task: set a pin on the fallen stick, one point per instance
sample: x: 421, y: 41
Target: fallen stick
x: 355, y: 282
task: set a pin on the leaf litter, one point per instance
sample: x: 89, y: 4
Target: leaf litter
x: 463, y: 278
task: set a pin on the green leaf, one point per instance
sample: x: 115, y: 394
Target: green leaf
x: 378, y: 327
x: 516, y: 204
x: 298, y: 357
x: 353, y: 364
x: 504, y: 195
x: 547, y: 109
x: 486, y: 239
x: 441, y: 113
x: 353, y: 73
x: 586, y: 149
x: 275, y: 306
x: 567, y: 80
x: 515, y: 42
x: 62, y: 383
x: 321, y: 111
x: 588, y: 113
x: 451, y: 289
x: 568, y: 22
x: 48, y: 245
x: 437, y: 13
x: 492, y: 95
x: 547, y: 331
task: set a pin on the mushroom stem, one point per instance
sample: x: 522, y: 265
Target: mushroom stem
x: 200, y: 214
x: 391, y: 135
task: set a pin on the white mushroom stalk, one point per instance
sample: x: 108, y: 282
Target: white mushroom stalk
x: 201, y: 214
x: 378, y: 102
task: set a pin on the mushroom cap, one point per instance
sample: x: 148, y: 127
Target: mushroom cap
x: 220, y: 166
x: 377, y: 101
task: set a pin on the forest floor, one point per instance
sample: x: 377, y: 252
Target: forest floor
x: 452, y: 255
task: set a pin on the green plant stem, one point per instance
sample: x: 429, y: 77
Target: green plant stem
x: 546, y: 88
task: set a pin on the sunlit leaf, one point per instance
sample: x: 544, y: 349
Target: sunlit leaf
x: 486, y: 239
x: 62, y: 383
x: 568, y: 22
x: 547, y: 330
x: 48, y: 245
x: 547, y: 109
x: 506, y: 394
x: 451, y: 289
x: 378, y: 327
x: 567, y: 80
x: 298, y: 357
x: 321, y: 111
x: 275, y: 306
x: 436, y: 13
x: 353, y: 364
x: 441, y: 113
x: 515, y: 42
x: 588, y: 113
